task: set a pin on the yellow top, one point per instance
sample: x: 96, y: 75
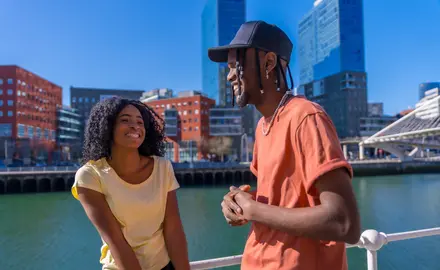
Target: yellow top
x: 139, y: 208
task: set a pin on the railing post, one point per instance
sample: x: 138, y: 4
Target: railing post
x: 372, y: 259
x: 372, y: 241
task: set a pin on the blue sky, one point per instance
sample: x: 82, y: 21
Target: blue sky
x: 145, y: 44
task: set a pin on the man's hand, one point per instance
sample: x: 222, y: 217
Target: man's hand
x: 245, y: 201
x: 231, y: 210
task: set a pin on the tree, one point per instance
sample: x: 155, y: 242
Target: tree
x: 220, y: 146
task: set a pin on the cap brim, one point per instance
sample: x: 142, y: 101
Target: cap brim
x: 220, y: 54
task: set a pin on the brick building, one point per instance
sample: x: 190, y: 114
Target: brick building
x: 28, y: 112
x: 187, y: 123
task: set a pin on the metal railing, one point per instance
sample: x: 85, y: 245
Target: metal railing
x: 40, y: 169
x: 371, y: 240
x: 202, y: 165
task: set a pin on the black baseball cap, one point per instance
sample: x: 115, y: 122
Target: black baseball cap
x: 259, y: 35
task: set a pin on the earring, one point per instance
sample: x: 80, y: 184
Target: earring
x: 262, y: 91
x: 267, y: 74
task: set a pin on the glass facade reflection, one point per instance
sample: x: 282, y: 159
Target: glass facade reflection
x: 331, y: 40
x: 221, y: 19
x: 423, y: 87
x: 171, y: 121
x: 225, y: 122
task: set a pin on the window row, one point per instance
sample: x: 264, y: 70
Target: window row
x: 9, y: 81
x: 9, y: 92
x: 35, y: 132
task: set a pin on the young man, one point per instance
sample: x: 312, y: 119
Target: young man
x: 304, y: 208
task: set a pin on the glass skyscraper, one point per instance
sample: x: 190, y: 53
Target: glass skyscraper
x: 331, y: 39
x: 423, y: 87
x: 221, y: 19
x: 332, y: 61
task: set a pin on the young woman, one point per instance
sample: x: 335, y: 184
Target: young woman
x: 127, y: 189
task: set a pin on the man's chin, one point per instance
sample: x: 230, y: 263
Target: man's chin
x: 242, y: 100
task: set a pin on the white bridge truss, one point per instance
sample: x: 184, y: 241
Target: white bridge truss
x: 408, y: 136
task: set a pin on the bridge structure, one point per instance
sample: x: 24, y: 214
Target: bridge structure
x: 410, y: 136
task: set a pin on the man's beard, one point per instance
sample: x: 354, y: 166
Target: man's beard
x: 242, y: 99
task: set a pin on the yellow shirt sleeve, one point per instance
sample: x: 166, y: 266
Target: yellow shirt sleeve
x: 172, y: 181
x: 85, y: 177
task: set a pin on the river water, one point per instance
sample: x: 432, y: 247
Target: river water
x: 51, y: 231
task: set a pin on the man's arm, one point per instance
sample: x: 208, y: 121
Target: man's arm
x: 102, y: 218
x: 174, y: 235
x: 335, y: 219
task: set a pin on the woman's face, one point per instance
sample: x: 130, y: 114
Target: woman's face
x: 129, y: 129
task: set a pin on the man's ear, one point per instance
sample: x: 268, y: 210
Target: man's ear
x: 270, y: 61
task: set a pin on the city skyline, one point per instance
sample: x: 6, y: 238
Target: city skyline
x: 88, y: 52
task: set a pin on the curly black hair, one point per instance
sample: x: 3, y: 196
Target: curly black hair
x: 99, y: 130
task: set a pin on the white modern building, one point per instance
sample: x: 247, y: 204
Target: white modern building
x: 432, y: 109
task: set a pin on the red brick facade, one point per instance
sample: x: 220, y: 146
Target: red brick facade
x: 193, y: 118
x: 30, y: 105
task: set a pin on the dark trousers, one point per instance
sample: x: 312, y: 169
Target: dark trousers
x: 168, y: 267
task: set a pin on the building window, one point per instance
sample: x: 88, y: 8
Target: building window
x: 1, y: 113
x: 1, y: 81
x: 38, y: 133
x: 1, y: 103
x: 10, y: 103
x: 1, y: 92
x: 10, y: 92
x: 10, y: 81
x: 52, y: 134
x: 46, y: 134
x: 86, y: 100
x: 10, y: 113
x: 30, y: 131
x: 80, y: 99
x: 74, y: 99
x: 6, y: 130
x: 21, y: 131
x: 18, y: 93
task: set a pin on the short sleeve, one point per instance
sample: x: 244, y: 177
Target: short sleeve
x: 318, y: 149
x: 172, y: 181
x: 85, y: 177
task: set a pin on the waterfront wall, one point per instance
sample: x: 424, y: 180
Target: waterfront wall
x: 31, y: 182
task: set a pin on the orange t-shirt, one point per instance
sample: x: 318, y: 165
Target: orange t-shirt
x: 301, y: 146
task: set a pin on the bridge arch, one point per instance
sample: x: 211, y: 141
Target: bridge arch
x: 13, y: 186
x: 199, y: 180
x: 188, y: 179
x: 218, y: 179
x: 70, y: 182
x: 2, y: 187
x: 44, y: 185
x: 29, y: 185
x: 59, y: 184
x: 209, y: 179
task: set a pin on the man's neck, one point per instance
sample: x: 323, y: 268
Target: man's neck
x: 271, y: 101
x: 125, y: 161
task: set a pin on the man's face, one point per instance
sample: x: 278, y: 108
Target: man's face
x: 248, y: 92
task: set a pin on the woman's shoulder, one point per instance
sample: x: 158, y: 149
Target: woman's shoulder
x: 162, y: 163
x: 94, y: 166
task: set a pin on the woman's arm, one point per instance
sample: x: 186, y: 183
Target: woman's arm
x: 100, y: 215
x: 175, y: 239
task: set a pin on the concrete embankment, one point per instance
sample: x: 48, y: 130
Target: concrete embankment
x: 385, y: 167
x: 50, y: 181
